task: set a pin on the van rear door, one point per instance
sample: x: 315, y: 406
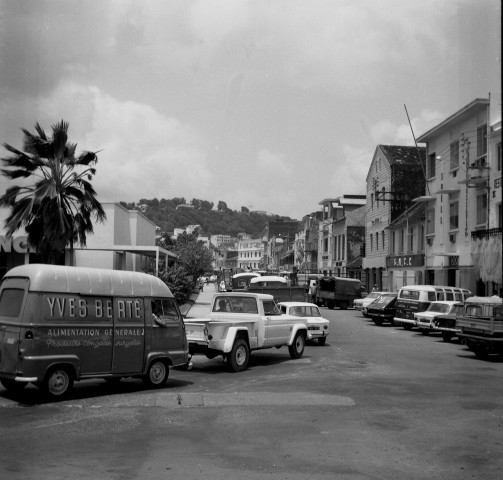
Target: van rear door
x: 129, y: 335
x: 12, y: 297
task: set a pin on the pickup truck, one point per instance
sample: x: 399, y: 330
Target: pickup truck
x: 240, y: 322
x: 481, y: 325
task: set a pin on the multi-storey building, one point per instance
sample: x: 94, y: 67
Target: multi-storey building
x: 395, y: 177
x: 405, y: 260
x: 250, y: 253
x: 463, y: 200
x: 306, y: 244
x: 334, y: 249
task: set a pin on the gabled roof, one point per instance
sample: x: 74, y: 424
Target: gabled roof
x: 468, y: 110
x: 399, y: 154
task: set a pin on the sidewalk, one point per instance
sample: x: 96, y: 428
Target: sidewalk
x: 199, y: 306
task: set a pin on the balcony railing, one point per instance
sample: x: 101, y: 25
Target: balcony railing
x: 487, y: 233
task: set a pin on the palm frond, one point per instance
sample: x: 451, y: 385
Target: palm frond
x: 87, y: 158
x: 59, y: 139
x: 13, y: 174
x: 40, y: 131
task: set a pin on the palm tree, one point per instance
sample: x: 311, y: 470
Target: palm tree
x: 56, y: 210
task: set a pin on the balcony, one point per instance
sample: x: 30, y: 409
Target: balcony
x: 490, y: 232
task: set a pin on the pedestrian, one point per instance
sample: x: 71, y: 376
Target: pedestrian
x: 375, y: 288
x: 222, y: 286
x: 312, y: 291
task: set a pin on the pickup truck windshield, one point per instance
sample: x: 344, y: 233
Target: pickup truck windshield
x: 270, y: 308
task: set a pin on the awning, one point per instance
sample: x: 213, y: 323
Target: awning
x: 147, y: 251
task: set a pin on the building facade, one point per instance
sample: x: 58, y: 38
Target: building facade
x: 405, y: 261
x: 394, y: 179
x: 125, y: 241
x: 333, y: 246
x: 459, y: 195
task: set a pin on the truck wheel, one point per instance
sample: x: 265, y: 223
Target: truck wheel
x: 240, y: 355
x: 331, y: 305
x: 12, y: 385
x: 322, y: 340
x: 447, y: 336
x: 296, y: 349
x: 57, y: 383
x: 378, y: 321
x: 157, y: 374
x: 343, y: 305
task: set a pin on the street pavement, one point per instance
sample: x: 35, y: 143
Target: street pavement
x: 201, y: 307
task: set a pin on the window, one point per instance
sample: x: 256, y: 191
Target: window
x: 343, y: 248
x: 393, y: 241
x: 11, y: 301
x: 454, y: 215
x: 421, y: 238
x: 382, y: 236
x: 372, y: 201
x: 401, y: 245
x: 430, y: 166
x: 430, y: 221
x: 482, y: 140
x: 377, y: 240
x: 411, y: 239
x: 481, y: 208
x: 371, y: 242
x: 454, y: 155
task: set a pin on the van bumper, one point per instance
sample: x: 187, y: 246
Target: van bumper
x: 26, y: 379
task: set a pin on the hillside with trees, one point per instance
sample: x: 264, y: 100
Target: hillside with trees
x: 213, y: 220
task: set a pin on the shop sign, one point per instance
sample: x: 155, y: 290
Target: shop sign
x: 405, y: 261
x: 16, y: 244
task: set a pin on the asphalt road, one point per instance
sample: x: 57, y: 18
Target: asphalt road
x: 373, y: 403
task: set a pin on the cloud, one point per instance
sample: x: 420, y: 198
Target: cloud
x: 348, y: 177
x: 386, y: 132
x: 143, y: 153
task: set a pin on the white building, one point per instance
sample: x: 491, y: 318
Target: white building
x: 250, y: 253
x: 463, y: 194
x: 125, y: 241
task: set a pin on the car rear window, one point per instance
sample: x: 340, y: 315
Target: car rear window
x: 11, y: 301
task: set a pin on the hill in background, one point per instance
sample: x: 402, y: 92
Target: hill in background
x: 220, y: 220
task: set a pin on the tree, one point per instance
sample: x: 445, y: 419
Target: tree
x: 222, y: 206
x: 57, y: 209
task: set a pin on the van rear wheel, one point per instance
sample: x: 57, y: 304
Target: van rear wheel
x: 57, y: 383
x: 157, y: 374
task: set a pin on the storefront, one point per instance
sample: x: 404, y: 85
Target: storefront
x: 405, y: 270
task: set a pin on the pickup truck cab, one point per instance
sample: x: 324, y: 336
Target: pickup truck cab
x: 239, y: 323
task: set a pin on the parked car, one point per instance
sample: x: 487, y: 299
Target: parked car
x: 447, y: 323
x: 383, y: 308
x: 424, y: 320
x: 317, y: 326
x: 361, y: 304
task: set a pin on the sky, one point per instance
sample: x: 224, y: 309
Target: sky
x: 273, y: 105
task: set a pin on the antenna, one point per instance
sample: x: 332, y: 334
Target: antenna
x: 417, y: 148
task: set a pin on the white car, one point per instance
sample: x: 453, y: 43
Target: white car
x: 317, y: 326
x: 424, y: 320
x: 362, y: 303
